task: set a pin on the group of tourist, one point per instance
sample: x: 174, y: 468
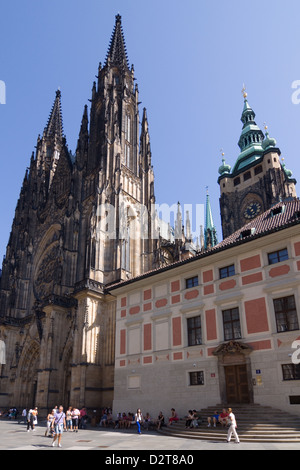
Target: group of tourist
x: 126, y: 420
x: 59, y: 421
x: 226, y: 419
x: 193, y: 419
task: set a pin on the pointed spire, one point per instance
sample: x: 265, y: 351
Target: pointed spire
x: 54, y: 126
x: 188, y: 226
x: 210, y: 234
x: 117, y: 54
x: 251, y: 134
x: 145, y: 147
x: 178, y: 223
x: 83, y: 139
x: 202, y: 240
x: 84, y: 122
x: 251, y: 139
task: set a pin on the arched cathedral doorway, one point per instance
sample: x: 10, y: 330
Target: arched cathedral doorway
x: 28, y: 376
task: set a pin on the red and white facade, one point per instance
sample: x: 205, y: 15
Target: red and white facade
x: 215, y: 329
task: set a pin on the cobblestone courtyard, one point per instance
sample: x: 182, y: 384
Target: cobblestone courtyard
x: 13, y: 436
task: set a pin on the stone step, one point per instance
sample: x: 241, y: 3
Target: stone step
x: 214, y: 437
x: 255, y: 424
x: 261, y: 429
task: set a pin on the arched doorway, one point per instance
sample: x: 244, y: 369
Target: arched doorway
x: 28, y: 377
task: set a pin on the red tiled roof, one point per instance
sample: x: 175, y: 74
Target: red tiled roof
x: 262, y: 225
x: 267, y: 222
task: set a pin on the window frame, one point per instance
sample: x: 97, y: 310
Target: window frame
x: 194, y: 283
x: 227, y: 273
x: 283, y: 317
x: 233, y: 322
x: 279, y: 257
x: 290, y: 370
x: 193, y: 331
x: 198, y: 383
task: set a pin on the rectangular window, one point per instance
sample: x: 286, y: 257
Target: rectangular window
x: 286, y: 314
x: 127, y: 155
x: 258, y: 169
x: 127, y: 128
x: 295, y: 400
x: 291, y: 371
x: 278, y: 256
x: 191, y: 282
x: 197, y: 378
x: 227, y: 271
x: 231, y: 324
x: 247, y: 175
x: 194, y: 331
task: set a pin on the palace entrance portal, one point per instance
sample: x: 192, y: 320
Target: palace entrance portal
x: 235, y: 372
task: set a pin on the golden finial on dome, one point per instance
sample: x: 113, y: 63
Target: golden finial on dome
x: 244, y: 93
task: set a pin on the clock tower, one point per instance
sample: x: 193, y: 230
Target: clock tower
x: 258, y: 180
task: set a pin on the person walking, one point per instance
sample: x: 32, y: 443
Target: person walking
x: 139, y: 420
x: 69, y: 419
x: 232, y: 427
x: 24, y: 416
x: 35, y: 415
x: 75, y: 419
x: 50, y: 419
x: 30, y: 420
x: 59, y: 423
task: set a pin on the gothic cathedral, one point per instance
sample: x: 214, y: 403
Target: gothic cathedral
x: 72, y: 235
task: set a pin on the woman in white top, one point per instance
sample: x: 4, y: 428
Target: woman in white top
x: 50, y: 419
x: 232, y: 427
x: 139, y: 419
x: 75, y: 419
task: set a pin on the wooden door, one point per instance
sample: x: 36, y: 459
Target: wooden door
x: 237, y: 386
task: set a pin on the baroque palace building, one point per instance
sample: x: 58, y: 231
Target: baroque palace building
x: 224, y: 325
x: 102, y: 303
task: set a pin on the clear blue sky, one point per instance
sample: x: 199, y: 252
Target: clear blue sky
x: 191, y: 59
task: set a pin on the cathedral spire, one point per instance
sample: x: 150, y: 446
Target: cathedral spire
x: 54, y: 127
x: 145, y: 147
x: 83, y: 140
x: 50, y: 145
x: 210, y: 233
x: 117, y: 54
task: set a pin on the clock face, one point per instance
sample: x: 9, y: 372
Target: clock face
x: 252, y: 210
